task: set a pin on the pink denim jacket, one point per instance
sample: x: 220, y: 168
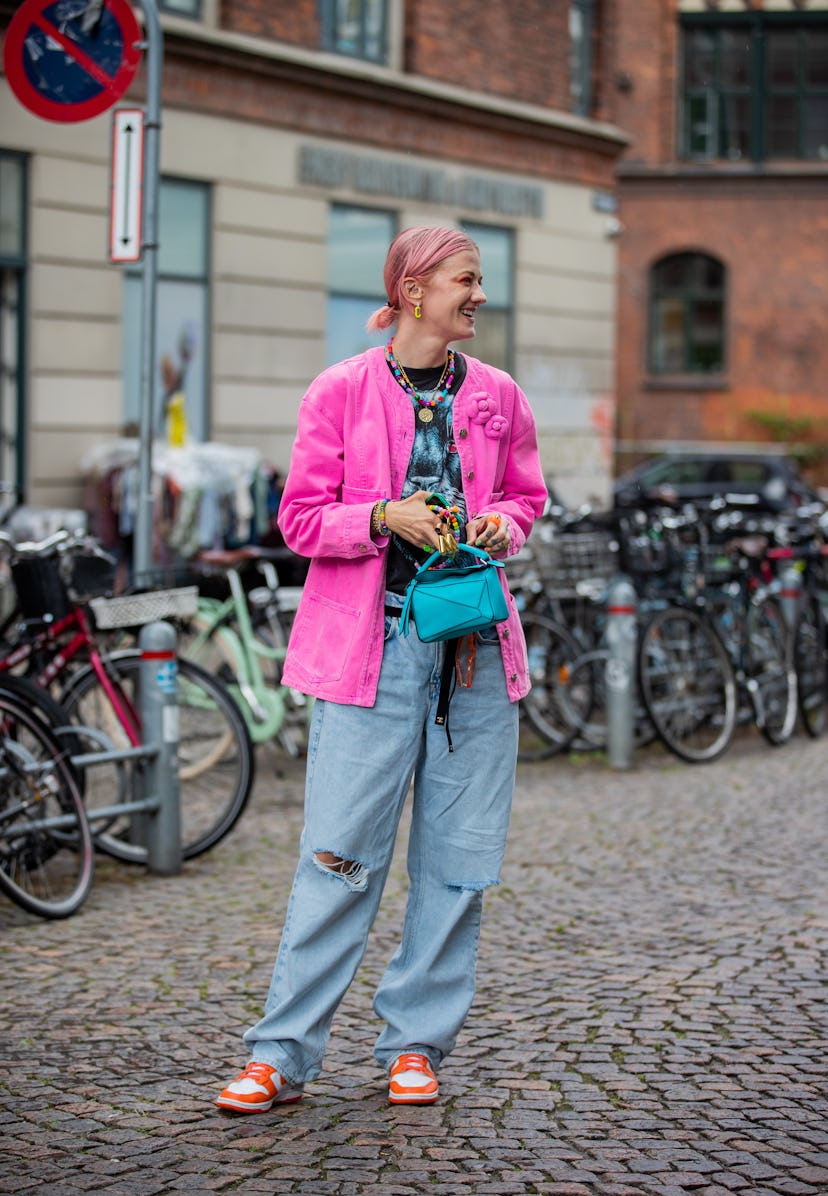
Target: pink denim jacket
x: 353, y: 444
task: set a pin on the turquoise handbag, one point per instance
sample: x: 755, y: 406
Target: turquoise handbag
x: 449, y: 601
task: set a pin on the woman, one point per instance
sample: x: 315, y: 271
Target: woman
x: 377, y: 435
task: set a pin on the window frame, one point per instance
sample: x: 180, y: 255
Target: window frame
x: 200, y: 426
x: 689, y: 295
x: 332, y: 41
x: 471, y: 227
x: 581, y: 56
x: 372, y: 301
x: 17, y: 262
x: 758, y: 25
x: 171, y: 9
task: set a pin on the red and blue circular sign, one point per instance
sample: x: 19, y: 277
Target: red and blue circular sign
x: 69, y: 60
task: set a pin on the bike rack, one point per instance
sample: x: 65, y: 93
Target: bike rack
x: 160, y: 832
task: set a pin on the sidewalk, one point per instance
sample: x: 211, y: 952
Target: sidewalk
x: 651, y: 1019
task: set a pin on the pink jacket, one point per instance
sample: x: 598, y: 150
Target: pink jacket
x: 353, y: 444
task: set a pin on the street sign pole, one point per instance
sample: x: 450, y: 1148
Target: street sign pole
x: 70, y: 62
x: 142, y: 552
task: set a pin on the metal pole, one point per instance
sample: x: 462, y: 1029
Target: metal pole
x: 620, y: 675
x: 142, y: 552
x: 159, y: 729
x: 790, y: 594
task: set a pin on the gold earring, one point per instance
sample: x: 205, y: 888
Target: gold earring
x: 418, y: 312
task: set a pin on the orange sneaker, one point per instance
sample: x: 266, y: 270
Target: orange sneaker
x: 257, y: 1089
x: 413, y: 1081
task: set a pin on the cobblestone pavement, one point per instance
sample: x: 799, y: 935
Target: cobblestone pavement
x: 650, y: 1021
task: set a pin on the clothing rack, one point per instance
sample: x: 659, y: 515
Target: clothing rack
x: 206, y: 495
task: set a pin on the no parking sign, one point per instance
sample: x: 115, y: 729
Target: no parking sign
x: 69, y: 60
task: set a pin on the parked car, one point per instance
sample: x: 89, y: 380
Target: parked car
x: 765, y: 481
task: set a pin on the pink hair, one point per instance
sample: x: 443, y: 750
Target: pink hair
x: 414, y: 253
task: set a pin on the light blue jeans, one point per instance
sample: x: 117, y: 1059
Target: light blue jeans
x: 360, y: 765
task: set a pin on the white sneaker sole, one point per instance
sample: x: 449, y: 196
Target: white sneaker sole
x: 287, y: 1096
x: 413, y: 1098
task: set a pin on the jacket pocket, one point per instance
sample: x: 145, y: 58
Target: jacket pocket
x: 322, y: 638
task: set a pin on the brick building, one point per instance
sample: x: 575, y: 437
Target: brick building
x: 723, y: 207
x: 296, y: 140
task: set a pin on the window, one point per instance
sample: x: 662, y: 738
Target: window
x: 181, y: 318
x: 687, y: 309
x: 580, y: 55
x: 182, y: 8
x: 358, y: 241
x: 357, y: 28
x: 12, y: 306
x: 755, y: 87
x: 493, y: 339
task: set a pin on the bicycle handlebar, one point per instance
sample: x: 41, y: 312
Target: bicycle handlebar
x: 34, y: 547
x: 62, y: 540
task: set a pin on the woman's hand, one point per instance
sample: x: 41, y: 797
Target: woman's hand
x: 490, y: 532
x: 413, y: 520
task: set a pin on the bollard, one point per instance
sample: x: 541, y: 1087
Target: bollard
x: 159, y: 722
x: 790, y: 594
x: 620, y: 671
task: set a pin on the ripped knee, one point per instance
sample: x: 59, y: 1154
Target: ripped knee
x: 470, y: 886
x: 353, y: 873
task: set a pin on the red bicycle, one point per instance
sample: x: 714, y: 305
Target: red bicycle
x: 91, y: 690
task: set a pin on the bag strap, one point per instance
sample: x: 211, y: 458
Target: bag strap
x: 472, y: 548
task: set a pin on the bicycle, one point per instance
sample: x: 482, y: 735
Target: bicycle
x: 720, y: 656
x: 563, y: 594
x: 807, y: 552
x: 53, y: 632
x: 242, y: 638
x: 46, y: 853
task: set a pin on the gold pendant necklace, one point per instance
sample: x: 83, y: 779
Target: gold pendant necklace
x: 425, y: 413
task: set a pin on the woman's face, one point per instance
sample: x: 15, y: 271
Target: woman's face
x: 451, y: 296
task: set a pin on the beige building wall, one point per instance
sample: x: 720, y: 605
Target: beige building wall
x: 268, y: 291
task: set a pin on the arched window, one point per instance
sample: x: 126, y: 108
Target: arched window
x: 687, y: 314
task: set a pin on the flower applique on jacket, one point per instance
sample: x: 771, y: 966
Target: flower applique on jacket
x: 483, y: 410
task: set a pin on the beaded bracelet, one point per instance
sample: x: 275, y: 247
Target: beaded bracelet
x: 378, y: 525
x: 450, y: 514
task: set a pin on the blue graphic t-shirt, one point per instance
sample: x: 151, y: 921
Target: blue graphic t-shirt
x: 434, y: 466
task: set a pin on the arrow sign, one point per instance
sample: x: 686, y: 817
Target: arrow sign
x: 127, y: 185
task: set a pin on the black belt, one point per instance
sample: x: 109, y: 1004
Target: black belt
x: 394, y: 612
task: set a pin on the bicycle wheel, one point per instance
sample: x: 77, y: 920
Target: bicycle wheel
x: 44, y: 705
x: 546, y: 727
x: 46, y: 855
x: 688, y: 684
x: 274, y: 715
x: 215, y: 755
x: 771, y: 677
x: 811, y: 664
x: 582, y: 691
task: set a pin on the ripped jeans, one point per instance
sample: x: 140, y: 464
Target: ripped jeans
x: 360, y: 765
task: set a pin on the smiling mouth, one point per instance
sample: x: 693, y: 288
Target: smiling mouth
x: 468, y: 312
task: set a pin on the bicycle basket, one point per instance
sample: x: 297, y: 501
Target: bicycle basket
x: 134, y: 610
x: 576, y: 556
x: 40, y: 588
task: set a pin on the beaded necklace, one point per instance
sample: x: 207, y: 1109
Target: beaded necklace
x: 431, y: 398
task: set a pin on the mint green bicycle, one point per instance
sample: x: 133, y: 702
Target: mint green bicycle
x: 242, y: 639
